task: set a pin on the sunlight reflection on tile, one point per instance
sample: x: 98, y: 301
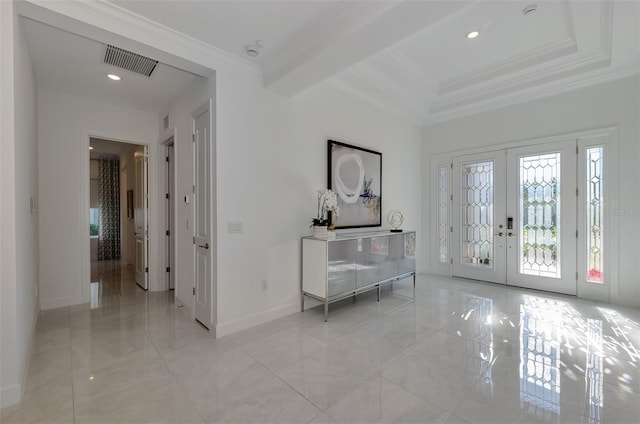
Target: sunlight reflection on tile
x: 459, y: 352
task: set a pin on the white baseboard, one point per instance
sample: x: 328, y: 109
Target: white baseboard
x: 256, y: 319
x: 60, y: 302
x: 625, y: 301
x: 10, y: 395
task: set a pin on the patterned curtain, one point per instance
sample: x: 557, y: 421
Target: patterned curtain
x: 109, y: 205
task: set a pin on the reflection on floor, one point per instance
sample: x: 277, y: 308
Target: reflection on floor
x: 457, y: 352
x: 110, y: 281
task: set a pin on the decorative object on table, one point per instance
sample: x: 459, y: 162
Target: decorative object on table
x: 327, y: 203
x: 355, y: 174
x: 395, y: 220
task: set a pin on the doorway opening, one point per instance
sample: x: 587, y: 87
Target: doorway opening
x: 118, y: 219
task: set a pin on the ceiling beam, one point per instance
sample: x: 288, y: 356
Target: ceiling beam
x: 356, y: 32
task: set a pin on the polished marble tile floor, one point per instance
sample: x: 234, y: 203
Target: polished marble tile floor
x: 450, y: 351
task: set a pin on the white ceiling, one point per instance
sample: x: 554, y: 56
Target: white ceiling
x: 75, y: 65
x: 409, y: 57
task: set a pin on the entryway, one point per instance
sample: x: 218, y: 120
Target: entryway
x: 540, y: 214
x: 514, y: 215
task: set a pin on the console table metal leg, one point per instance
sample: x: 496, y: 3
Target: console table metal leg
x: 378, y: 293
x: 414, y: 280
x: 326, y: 310
x: 302, y: 302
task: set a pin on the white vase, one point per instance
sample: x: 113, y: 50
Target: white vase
x: 320, y: 231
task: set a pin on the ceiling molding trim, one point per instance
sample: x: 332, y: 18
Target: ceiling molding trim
x: 117, y: 20
x: 523, y: 81
x: 516, y: 63
x: 534, y: 94
x: 602, y: 57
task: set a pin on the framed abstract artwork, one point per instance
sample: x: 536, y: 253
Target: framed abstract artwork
x: 355, y: 175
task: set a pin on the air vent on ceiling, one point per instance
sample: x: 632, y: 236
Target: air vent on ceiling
x: 130, y: 61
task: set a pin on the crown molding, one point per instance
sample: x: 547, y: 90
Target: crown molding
x: 521, y: 61
x: 522, y: 82
x: 548, y: 90
x: 120, y: 21
x: 516, y: 63
x: 469, y: 93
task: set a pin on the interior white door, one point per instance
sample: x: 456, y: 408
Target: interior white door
x: 171, y: 219
x: 202, y: 219
x: 514, y: 217
x: 141, y: 218
x: 479, y: 204
x: 541, y: 211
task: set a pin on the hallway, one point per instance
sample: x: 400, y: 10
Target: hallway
x: 113, y: 282
x: 459, y: 352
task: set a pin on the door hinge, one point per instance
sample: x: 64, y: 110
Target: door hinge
x: 451, y: 229
x: 194, y: 188
x: 193, y: 137
x: 576, y: 233
x: 168, y: 269
x: 194, y: 291
x: 166, y: 196
x: 452, y: 197
x: 577, y: 149
x: 194, y: 239
x: 146, y: 269
x: 576, y: 276
x: 166, y: 158
x: 451, y: 165
x: 168, y: 232
x: 451, y: 261
x: 576, y: 191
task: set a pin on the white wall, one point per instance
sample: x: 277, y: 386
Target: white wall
x: 19, y: 185
x: 611, y: 104
x: 64, y: 125
x: 271, y: 160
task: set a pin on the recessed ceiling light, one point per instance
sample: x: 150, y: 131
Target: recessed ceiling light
x: 114, y: 77
x: 473, y: 34
x: 90, y: 147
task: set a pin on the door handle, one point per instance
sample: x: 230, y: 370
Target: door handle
x: 499, y: 234
x: 206, y: 246
x: 510, y: 234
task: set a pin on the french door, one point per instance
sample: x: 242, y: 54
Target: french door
x: 514, y: 216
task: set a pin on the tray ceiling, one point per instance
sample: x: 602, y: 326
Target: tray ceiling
x: 412, y: 57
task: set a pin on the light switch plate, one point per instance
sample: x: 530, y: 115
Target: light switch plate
x: 234, y: 227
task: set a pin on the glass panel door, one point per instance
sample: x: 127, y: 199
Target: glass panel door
x: 541, y: 217
x: 478, y: 216
x: 539, y: 210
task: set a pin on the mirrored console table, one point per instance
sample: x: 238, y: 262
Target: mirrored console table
x: 354, y: 263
